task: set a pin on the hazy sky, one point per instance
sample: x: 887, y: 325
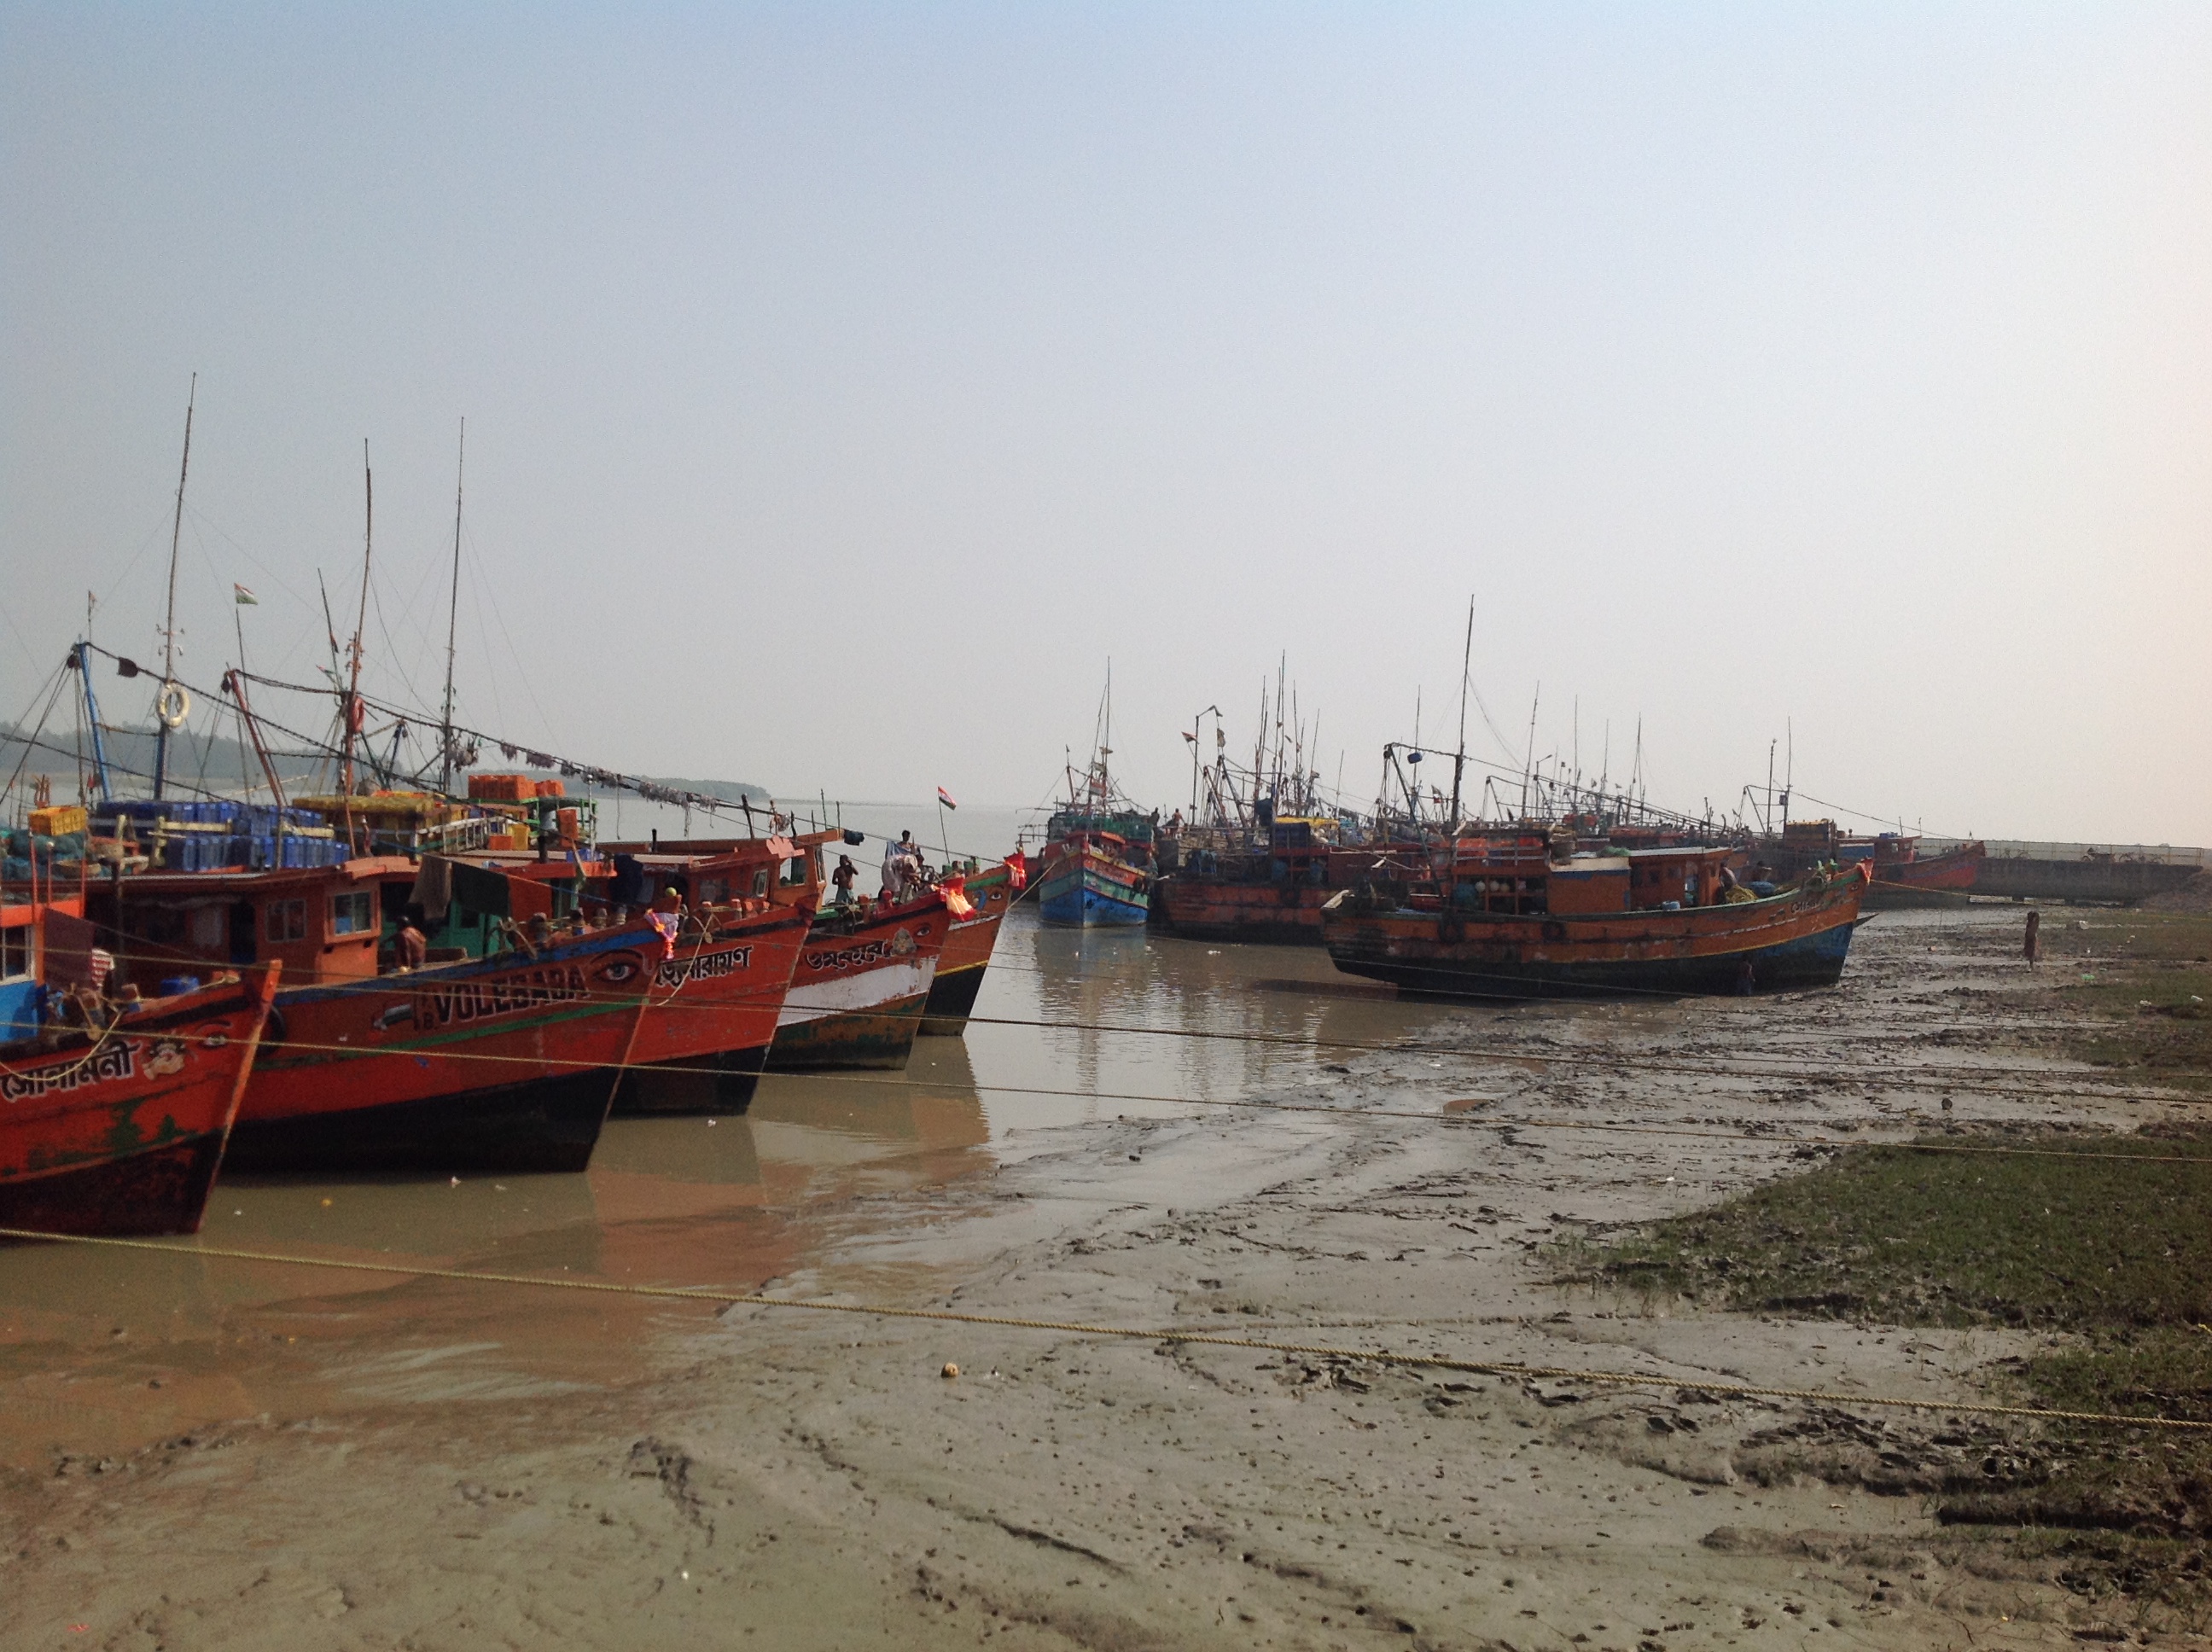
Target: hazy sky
x: 845, y: 383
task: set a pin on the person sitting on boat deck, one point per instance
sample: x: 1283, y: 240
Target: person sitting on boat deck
x: 843, y: 879
x: 897, y: 859
x: 410, y: 946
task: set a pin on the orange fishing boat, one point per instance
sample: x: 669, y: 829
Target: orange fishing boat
x: 990, y: 895
x: 864, y: 976
x: 1502, y: 918
x: 1268, y: 895
x: 863, y: 971
x: 1899, y: 871
x: 504, y: 1062
x: 117, y: 1125
x: 744, y: 907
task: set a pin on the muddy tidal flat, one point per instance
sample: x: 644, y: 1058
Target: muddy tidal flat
x: 198, y: 1451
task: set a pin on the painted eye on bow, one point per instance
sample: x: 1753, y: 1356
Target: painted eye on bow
x: 620, y: 969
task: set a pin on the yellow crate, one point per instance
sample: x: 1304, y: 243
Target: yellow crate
x: 58, y: 820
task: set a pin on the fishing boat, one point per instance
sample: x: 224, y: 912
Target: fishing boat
x: 504, y: 1062
x: 116, y: 1124
x: 1504, y: 918
x: 1271, y: 893
x: 863, y: 978
x: 988, y: 893
x: 1902, y: 875
x: 743, y: 909
x: 1097, y: 868
x: 1099, y: 856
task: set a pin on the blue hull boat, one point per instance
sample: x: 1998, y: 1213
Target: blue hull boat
x: 1084, y: 890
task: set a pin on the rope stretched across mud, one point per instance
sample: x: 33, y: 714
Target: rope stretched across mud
x: 1511, y: 1369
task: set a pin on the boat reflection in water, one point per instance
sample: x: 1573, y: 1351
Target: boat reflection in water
x: 1133, y: 1020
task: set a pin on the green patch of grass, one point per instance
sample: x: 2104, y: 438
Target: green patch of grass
x: 2116, y: 1250
x: 1958, y: 1239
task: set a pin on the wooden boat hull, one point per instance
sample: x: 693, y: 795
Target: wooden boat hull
x: 967, y: 954
x: 485, y: 1065
x: 857, y: 995
x: 1954, y: 870
x: 1086, y: 889
x: 124, y: 1135
x: 1202, y: 908
x: 1789, y: 941
x: 711, y: 1016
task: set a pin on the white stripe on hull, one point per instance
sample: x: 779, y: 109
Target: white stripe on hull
x: 865, y: 991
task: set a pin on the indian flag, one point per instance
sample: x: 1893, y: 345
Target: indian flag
x: 945, y: 798
x: 246, y: 599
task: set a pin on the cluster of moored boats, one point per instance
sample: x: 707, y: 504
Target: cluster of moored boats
x: 1588, y: 903
x: 428, y: 984
x: 1525, y: 910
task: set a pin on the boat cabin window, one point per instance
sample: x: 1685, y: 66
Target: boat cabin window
x: 209, y: 927
x: 14, y: 951
x: 285, y: 921
x: 352, y: 914
x: 760, y: 880
x: 712, y: 892
x: 794, y: 871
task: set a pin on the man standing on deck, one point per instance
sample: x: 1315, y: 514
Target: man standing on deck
x: 843, y: 879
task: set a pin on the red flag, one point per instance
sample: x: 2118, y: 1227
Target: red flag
x: 955, y: 891
x: 1019, y: 865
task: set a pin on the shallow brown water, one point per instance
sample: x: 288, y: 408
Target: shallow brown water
x: 103, y: 1351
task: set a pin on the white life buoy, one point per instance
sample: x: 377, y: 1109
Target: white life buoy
x: 173, y: 705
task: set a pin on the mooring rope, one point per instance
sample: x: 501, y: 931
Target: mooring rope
x: 1511, y: 1369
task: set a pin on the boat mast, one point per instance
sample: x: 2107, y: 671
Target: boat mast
x: 351, y: 716
x: 1529, y: 761
x: 1103, y: 785
x: 169, y: 624
x: 1459, y: 757
x: 1789, y: 769
x: 452, y: 619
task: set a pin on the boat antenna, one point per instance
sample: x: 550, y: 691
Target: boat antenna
x: 169, y: 624
x: 452, y: 618
x: 1466, y: 659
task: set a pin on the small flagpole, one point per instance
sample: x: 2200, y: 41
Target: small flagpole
x: 944, y: 828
